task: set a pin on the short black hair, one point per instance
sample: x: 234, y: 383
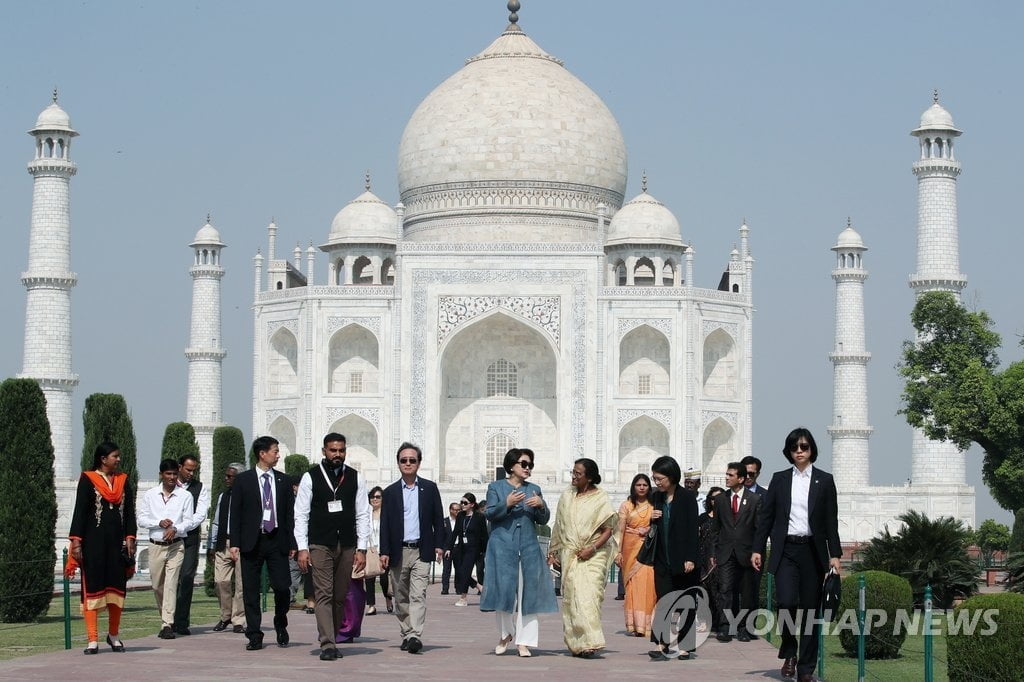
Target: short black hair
x: 186, y: 457
x: 409, y: 446
x: 263, y: 444
x: 168, y: 465
x: 750, y: 459
x: 632, y: 486
x: 333, y: 437
x: 472, y: 499
x: 738, y: 467
x: 709, y: 501
x: 794, y: 437
x: 590, y: 469
x: 375, y: 489
x: 513, y: 455
x: 102, y: 450
x: 668, y: 467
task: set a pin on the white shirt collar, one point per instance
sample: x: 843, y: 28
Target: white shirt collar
x: 806, y: 473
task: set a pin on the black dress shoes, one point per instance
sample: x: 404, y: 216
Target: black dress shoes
x: 329, y: 655
x: 723, y: 637
x: 282, y: 637
x: 743, y: 636
x: 789, y: 668
x: 116, y: 645
x: 221, y: 625
x: 183, y: 632
x: 92, y: 649
x: 255, y: 643
x: 238, y: 629
x: 414, y: 645
x: 405, y: 645
x: 166, y: 633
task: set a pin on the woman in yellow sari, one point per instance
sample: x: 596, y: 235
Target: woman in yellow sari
x: 583, y: 544
x: 634, y: 522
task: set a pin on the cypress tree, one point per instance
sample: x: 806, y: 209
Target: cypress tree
x: 296, y: 465
x: 179, y: 440
x: 28, y: 514
x: 106, y: 417
x: 228, y: 447
x: 1017, y: 535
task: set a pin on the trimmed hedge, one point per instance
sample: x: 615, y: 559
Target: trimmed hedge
x: 982, y: 654
x: 882, y: 591
x: 295, y: 465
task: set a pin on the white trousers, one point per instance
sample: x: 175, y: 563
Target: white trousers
x: 525, y: 628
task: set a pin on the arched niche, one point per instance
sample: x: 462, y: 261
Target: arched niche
x: 283, y: 365
x: 494, y: 453
x: 362, y: 271
x: 643, y: 272
x: 353, y: 364
x: 466, y: 413
x: 645, y: 363
x: 718, y: 449
x: 284, y: 431
x: 720, y: 365
x: 641, y: 441
x: 361, y: 442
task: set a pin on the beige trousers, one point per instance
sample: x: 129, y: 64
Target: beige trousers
x: 332, y: 570
x: 164, y: 567
x: 227, y: 577
x: 409, y: 582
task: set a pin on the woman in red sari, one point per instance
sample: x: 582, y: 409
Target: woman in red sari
x: 102, y: 524
x: 634, y: 522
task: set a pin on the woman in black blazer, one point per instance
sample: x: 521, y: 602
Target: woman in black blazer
x: 675, y: 561
x: 467, y: 544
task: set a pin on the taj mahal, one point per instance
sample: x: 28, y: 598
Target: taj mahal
x: 511, y: 295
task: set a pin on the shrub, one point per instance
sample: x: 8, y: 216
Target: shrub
x: 106, y: 417
x: 296, y: 465
x: 1015, y: 571
x: 882, y: 591
x: 28, y: 512
x: 980, y: 654
x: 179, y: 440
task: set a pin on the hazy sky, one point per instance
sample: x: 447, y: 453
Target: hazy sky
x: 795, y: 115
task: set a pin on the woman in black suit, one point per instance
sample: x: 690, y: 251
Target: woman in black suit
x: 675, y: 561
x: 467, y: 544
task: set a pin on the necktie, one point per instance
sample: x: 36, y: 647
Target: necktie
x: 269, y: 523
x: 735, y: 505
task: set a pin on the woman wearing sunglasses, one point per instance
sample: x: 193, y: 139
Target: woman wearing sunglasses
x: 518, y: 584
x: 467, y: 542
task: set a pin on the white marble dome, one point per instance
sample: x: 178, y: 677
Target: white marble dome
x: 511, y: 135
x: 53, y: 118
x: 207, y: 234
x: 644, y: 219
x: 936, y: 117
x: 364, y: 219
x: 849, y: 239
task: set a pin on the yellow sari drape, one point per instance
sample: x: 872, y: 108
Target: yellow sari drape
x: 578, y: 523
x: 637, y: 577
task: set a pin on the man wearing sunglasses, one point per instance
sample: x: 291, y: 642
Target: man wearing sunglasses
x: 800, y: 513
x: 752, y: 468
x: 411, y: 536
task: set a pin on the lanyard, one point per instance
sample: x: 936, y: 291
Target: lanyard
x: 334, y: 488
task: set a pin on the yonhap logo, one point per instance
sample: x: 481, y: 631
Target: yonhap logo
x: 678, y: 615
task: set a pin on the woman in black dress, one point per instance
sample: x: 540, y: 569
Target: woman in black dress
x: 102, y: 536
x: 467, y: 544
x: 708, y: 574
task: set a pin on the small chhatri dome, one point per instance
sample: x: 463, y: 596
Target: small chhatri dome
x: 207, y: 234
x: 364, y: 219
x: 936, y: 117
x: 644, y: 219
x: 53, y: 118
x: 849, y: 239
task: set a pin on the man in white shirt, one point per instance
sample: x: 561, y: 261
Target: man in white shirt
x: 165, y: 512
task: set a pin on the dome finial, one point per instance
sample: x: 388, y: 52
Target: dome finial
x: 54, y: 95
x: 849, y: 223
x: 643, y: 182
x: 367, y: 179
x: 207, y: 217
x: 513, y: 8
x: 935, y: 96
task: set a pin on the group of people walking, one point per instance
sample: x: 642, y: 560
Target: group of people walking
x: 343, y: 534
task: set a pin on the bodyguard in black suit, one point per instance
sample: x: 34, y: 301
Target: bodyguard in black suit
x: 411, y: 536
x: 449, y: 525
x: 262, y: 530
x: 732, y: 538
x: 800, y: 514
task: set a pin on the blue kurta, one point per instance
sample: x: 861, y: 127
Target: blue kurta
x: 513, y: 542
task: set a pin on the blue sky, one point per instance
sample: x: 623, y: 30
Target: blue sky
x: 794, y: 115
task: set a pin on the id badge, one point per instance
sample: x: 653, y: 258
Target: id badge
x: 266, y: 514
x: 334, y: 506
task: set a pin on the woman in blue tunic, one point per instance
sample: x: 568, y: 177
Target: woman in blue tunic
x: 518, y: 583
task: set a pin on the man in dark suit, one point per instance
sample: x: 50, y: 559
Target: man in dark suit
x: 262, y: 528
x: 449, y: 526
x: 411, y: 536
x: 732, y: 539
x: 800, y: 514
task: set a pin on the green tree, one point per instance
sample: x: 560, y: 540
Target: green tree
x: 296, y: 465
x: 228, y: 447
x: 955, y: 390
x: 926, y: 552
x: 106, y: 417
x: 1017, y: 536
x: 28, y: 514
x: 179, y: 440
x: 991, y: 537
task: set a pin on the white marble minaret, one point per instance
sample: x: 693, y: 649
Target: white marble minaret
x: 49, y: 280
x: 204, y: 353
x: 938, y: 265
x: 850, y: 430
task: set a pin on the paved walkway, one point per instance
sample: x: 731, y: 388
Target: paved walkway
x: 458, y: 645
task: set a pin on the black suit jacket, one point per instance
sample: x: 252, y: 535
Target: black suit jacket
x: 476, y: 533
x: 247, y: 511
x: 682, y: 529
x: 734, y: 536
x: 822, y: 513
x: 447, y: 527
x: 392, y: 521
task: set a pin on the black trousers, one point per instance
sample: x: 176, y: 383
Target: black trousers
x: 271, y: 549
x: 666, y: 582
x: 371, y: 589
x: 186, y: 583
x: 464, y: 560
x: 798, y: 590
x: 446, y: 573
x: 736, y: 581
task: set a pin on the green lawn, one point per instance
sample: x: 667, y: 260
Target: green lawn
x: 140, y: 619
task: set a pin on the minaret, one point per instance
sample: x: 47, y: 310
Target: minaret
x: 938, y: 265
x: 49, y: 279
x: 849, y: 430
x: 204, y: 352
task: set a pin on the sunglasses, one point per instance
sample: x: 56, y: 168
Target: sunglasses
x: 465, y: 502
x: 375, y: 497
x: 408, y: 461
x: 801, y: 447
x: 526, y: 464
x: 751, y: 474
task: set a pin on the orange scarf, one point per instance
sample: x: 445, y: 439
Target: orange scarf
x: 112, y: 493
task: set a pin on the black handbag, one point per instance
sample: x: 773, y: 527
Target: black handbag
x: 831, y: 595
x: 127, y: 559
x: 650, y: 546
